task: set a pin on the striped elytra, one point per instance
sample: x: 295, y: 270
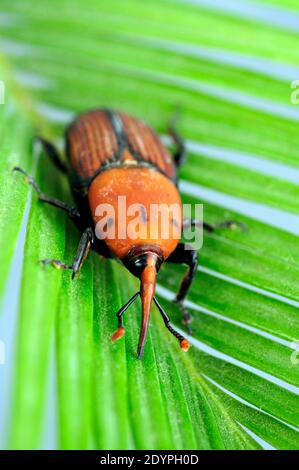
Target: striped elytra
x: 101, y: 138
x: 112, y: 154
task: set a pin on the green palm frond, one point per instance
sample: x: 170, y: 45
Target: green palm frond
x: 237, y: 388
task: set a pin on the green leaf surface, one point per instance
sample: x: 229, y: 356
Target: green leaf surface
x: 37, y: 305
x: 15, y: 147
x: 237, y: 388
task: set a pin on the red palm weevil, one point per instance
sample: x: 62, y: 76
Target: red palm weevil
x: 109, y: 153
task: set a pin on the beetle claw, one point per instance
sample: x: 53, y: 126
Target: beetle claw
x: 233, y: 225
x: 185, y: 345
x: 54, y: 262
x: 119, y: 333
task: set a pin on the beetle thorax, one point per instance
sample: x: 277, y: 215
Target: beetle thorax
x: 134, y: 207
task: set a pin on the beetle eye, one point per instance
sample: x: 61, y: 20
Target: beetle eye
x: 138, y: 265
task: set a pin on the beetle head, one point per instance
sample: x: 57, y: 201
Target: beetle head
x: 137, y: 259
x: 144, y: 262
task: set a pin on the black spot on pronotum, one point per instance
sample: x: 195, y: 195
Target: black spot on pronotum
x: 143, y: 215
x: 110, y: 222
x: 175, y: 223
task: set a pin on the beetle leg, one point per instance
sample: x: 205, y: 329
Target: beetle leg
x: 71, y: 211
x: 53, y: 154
x: 56, y: 263
x: 119, y: 333
x: 179, y: 143
x: 101, y: 248
x: 230, y: 224
x: 86, y: 240
x: 85, y: 243
x: 183, y: 342
x: 183, y: 255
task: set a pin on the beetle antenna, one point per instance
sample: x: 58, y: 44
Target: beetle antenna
x: 120, y: 330
x: 183, y: 342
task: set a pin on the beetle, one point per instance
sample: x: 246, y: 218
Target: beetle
x: 109, y: 153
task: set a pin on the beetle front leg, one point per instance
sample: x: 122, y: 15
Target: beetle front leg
x: 53, y: 154
x: 229, y: 224
x: 72, y: 212
x: 184, y: 255
x: 86, y: 241
x: 119, y: 333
